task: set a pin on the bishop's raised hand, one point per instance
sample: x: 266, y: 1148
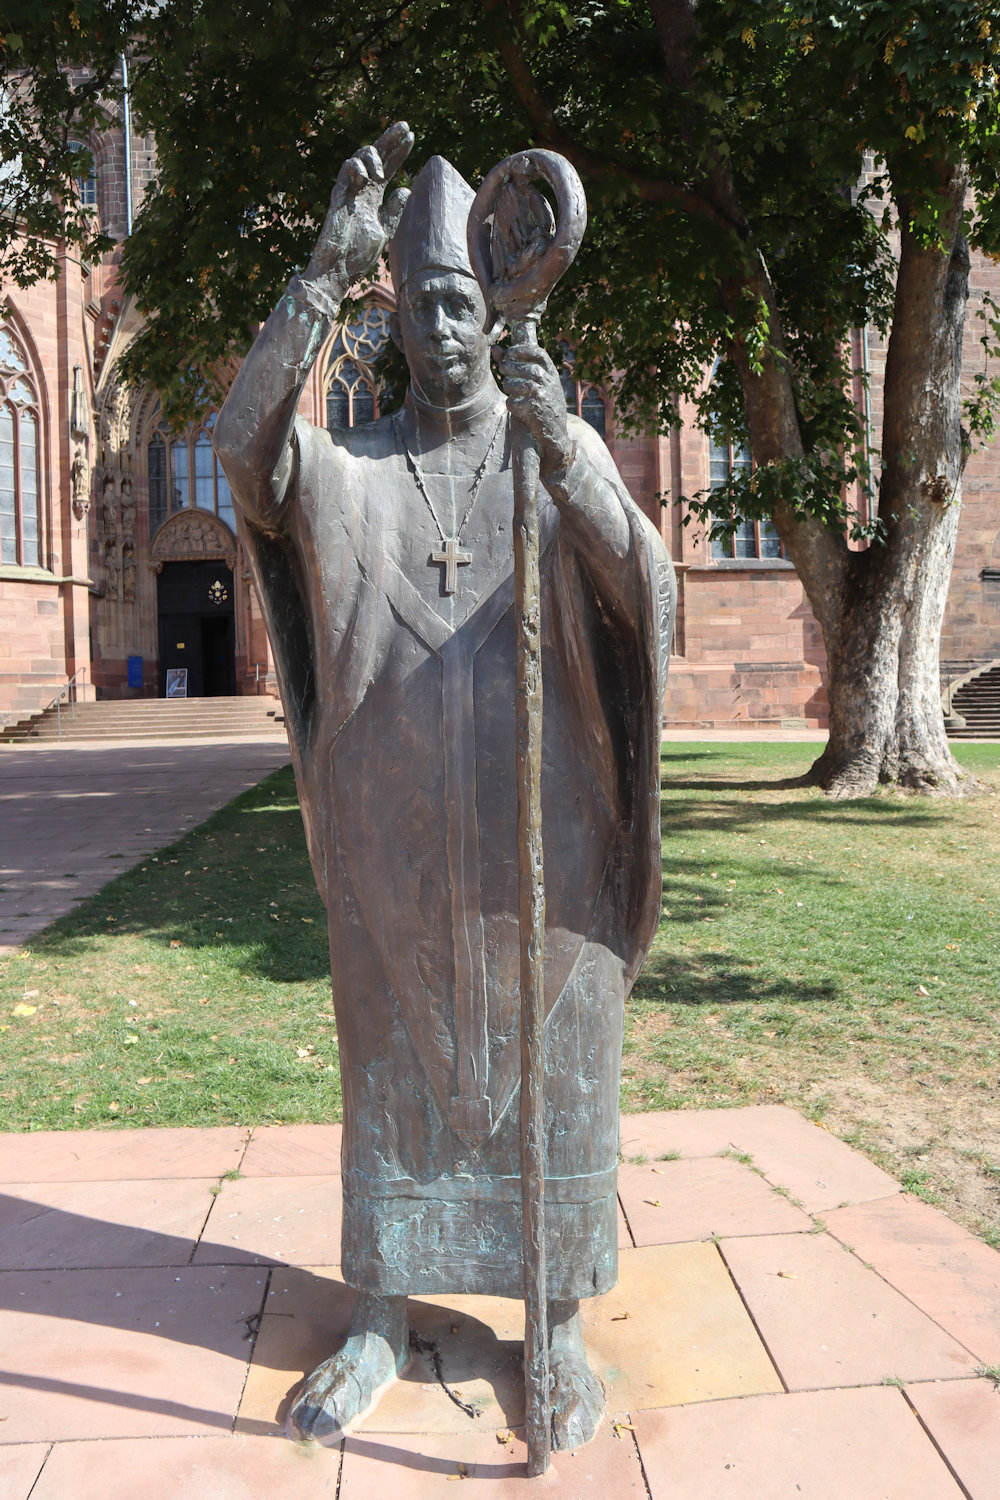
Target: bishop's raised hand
x: 360, y: 220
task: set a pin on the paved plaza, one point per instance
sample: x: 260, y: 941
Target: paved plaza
x: 787, y: 1326
x: 74, y: 816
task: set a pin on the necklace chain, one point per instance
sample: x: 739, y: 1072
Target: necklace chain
x: 477, y: 478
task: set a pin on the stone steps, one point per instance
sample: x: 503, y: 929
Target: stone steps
x: 978, y: 703
x: 152, y: 719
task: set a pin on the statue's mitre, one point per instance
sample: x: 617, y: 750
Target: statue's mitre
x: 432, y: 231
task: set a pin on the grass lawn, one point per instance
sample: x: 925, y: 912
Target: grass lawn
x: 841, y: 957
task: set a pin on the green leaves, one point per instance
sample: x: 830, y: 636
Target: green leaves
x: 778, y: 146
x: 60, y: 82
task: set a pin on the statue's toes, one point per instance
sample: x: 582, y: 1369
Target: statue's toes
x: 577, y: 1403
x: 329, y: 1400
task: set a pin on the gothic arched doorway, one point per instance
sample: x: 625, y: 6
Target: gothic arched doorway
x: 194, y: 556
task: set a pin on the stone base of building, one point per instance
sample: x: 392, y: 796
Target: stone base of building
x: 745, y: 695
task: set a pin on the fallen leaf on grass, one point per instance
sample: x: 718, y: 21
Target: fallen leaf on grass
x: 205, y: 1000
x: 24, y: 1010
x: 30, y: 994
x: 175, y: 942
x: 922, y: 990
x: 130, y: 1040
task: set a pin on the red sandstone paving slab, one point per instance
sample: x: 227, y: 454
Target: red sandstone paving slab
x: 60, y: 1225
x: 110, y: 1155
x: 293, y: 1151
x: 819, y: 1170
x: 829, y: 1321
x: 963, y: 1418
x: 952, y: 1277
x: 673, y: 1201
x: 190, y: 1468
x: 19, y: 1469
x: 691, y: 1132
x: 123, y: 1353
x: 816, y: 1445
x: 673, y: 1330
x: 265, y: 1219
x: 424, y: 1466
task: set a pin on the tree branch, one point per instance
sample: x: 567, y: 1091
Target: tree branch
x: 602, y: 167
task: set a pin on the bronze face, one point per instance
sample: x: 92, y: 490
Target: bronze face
x: 441, y: 316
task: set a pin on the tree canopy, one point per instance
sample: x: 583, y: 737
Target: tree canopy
x: 794, y: 142
x: 712, y: 138
x: 762, y: 181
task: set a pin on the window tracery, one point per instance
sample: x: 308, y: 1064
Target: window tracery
x: 351, y: 386
x: 584, y: 400
x: 20, y: 487
x: 184, y: 473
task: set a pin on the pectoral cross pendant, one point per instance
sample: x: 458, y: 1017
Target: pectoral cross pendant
x: 453, y: 558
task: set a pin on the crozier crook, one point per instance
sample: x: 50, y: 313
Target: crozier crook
x: 518, y: 252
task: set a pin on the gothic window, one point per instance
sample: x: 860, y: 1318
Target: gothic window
x: 156, y: 455
x: 750, y: 538
x: 583, y: 400
x: 20, y: 521
x: 352, y: 392
x: 86, y: 186
x: 184, y: 473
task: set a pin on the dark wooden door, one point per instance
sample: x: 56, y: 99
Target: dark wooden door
x: 198, y: 626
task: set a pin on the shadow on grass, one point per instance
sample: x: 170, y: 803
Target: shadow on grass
x: 714, y: 979
x: 722, y: 814
x: 240, y: 885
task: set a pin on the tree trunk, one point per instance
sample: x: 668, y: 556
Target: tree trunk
x: 886, y: 723
x: 883, y: 641
x: 880, y: 610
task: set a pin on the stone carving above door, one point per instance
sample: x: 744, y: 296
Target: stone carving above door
x: 192, y: 536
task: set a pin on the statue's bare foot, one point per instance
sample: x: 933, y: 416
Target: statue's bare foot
x: 346, y: 1386
x: 576, y: 1397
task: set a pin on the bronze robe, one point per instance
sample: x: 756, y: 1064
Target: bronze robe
x: 401, y: 710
